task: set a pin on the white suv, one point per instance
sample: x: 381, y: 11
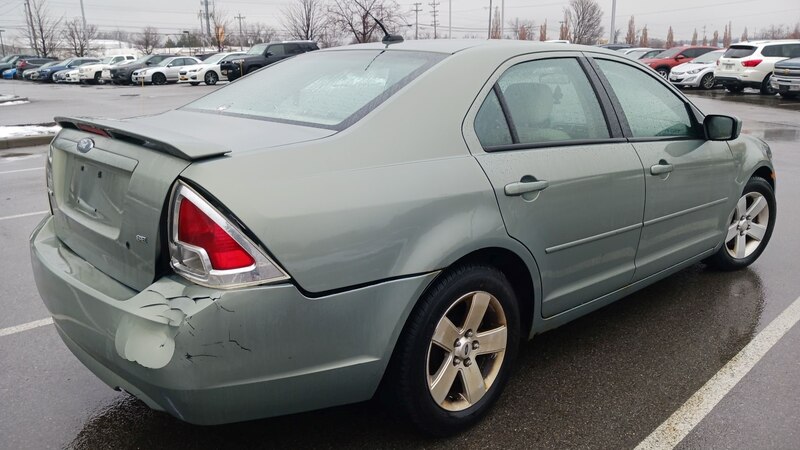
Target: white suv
x: 750, y: 64
x: 91, y: 73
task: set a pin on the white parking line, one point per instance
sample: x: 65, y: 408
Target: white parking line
x: 699, y: 405
x: 26, y: 326
x: 21, y: 170
x: 17, y: 216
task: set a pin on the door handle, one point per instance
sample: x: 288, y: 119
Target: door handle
x: 524, y: 187
x: 661, y: 168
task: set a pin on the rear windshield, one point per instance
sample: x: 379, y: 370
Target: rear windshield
x: 739, y: 51
x: 324, y: 89
x: 709, y: 57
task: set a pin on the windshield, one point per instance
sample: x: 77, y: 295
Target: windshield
x: 45, y: 66
x: 213, y: 59
x: 6, y: 59
x: 329, y: 90
x: 671, y: 53
x: 107, y: 60
x: 257, y: 49
x: 709, y: 57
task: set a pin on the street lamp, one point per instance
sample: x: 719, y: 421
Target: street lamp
x: 2, y: 46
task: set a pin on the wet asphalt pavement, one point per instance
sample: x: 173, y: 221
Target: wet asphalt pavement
x: 604, y: 381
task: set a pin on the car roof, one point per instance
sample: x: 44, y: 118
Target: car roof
x: 452, y: 46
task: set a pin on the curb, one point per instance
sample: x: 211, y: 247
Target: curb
x: 25, y: 141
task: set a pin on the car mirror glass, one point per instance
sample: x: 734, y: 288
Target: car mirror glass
x: 722, y: 128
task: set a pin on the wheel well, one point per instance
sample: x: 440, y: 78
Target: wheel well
x: 765, y: 173
x: 515, y: 269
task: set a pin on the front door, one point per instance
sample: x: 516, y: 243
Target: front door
x: 687, y: 179
x: 569, y: 187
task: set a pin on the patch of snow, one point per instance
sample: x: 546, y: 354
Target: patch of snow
x: 15, y: 102
x: 27, y: 130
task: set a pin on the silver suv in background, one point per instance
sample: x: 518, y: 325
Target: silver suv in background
x: 750, y: 64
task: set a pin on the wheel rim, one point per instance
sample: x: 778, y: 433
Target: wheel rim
x: 211, y: 78
x: 747, y: 225
x: 708, y: 81
x: 663, y: 73
x: 159, y: 79
x: 463, y: 360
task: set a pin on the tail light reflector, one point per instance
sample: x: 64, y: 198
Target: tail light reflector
x: 196, y: 228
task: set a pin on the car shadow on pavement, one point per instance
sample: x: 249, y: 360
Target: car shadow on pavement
x: 605, y: 380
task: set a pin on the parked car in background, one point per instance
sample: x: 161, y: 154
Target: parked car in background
x: 123, y: 73
x: 92, y: 73
x: 640, y: 52
x: 24, y: 64
x: 310, y: 234
x: 751, y: 64
x: 10, y: 61
x: 9, y: 74
x: 33, y: 75
x: 262, y: 55
x: 786, y: 78
x: 666, y: 60
x: 47, y: 74
x: 166, y: 71
x: 697, y: 73
x: 72, y: 76
x: 617, y: 46
x: 208, y: 71
x: 61, y: 75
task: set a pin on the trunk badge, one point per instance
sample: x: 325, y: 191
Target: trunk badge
x: 85, y: 144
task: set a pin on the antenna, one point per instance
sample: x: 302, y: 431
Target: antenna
x: 387, y: 38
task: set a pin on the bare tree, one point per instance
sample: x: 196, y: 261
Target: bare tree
x: 147, y: 40
x: 220, y: 22
x: 79, y: 38
x: 643, y: 40
x: 585, y: 17
x: 617, y: 32
x: 795, y: 34
x: 330, y: 35
x: 705, y: 38
x: 744, y: 35
x: 563, y: 31
x: 495, y: 31
x: 543, y: 31
x: 304, y: 19
x: 694, y: 37
x: 43, y: 31
x: 715, y: 39
x: 355, y: 17
x: 630, y: 38
x: 670, y: 39
x: 259, y: 32
x: 656, y: 42
x: 522, y: 29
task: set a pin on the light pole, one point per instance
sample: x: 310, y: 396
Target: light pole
x: 186, y: 39
x: 613, y: 16
x: 450, y: 19
x: 2, y: 46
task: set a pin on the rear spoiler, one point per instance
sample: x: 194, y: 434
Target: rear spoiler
x: 146, y: 135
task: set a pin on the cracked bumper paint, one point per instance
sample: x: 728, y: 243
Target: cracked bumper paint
x: 210, y: 356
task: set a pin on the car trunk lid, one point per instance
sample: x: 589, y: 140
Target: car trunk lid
x: 110, y: 198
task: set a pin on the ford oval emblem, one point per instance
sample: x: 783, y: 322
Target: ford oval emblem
x: 85, y: 144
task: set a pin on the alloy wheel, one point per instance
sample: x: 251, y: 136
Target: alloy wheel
x: 747, y: 225
x: 211, y: 78
x: 708, y: 81
x: 466, y: 351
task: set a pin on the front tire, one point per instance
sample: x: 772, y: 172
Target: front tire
x: 663, y: 71
x: 211, y: 78
x: 708, y: 81
x: 750, y: 226
x: 159, y: 79
x: 457, y: 350
x: 766, y: 86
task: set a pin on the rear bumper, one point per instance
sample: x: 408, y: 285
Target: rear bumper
x: 208, y: 356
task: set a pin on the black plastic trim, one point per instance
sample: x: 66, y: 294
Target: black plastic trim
x: 570, y: 143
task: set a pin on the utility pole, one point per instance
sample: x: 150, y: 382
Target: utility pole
x: 83, y: 16
x: 416, y: 10
x: 200, y: 16
x: 208, y: 21
x: 502, y: 19
x: 435, y: 14
x: 2, y: 46
x: 490, y: 20
x: 612, y: 39
x: 450, y: 19
x: 34, y: 42
x: 240, y: 17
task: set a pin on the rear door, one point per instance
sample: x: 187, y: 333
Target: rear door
x: 568, y: 185
x: 688, y: 180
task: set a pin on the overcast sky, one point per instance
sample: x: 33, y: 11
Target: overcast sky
x: 468, y: 16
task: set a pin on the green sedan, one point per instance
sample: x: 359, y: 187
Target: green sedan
x: 393, y: 217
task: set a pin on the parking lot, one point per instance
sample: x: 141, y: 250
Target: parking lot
x: 607, y: 380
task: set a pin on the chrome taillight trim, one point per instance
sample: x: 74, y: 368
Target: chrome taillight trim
x: 263, y: 271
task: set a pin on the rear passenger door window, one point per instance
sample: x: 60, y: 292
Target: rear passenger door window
x: 540, y: 102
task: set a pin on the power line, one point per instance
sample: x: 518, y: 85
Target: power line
x: 435, y: 13
x: 416, y: 10
x: 240, y: 17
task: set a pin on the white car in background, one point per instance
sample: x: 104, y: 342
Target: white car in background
x: 164, y: 72
x: 640, y: 52
x: 750, y: 64
x: 207, y: 71
x: 93, y: 73
x: 697, y: 73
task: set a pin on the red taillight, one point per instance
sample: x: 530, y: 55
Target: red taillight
x: 196, y: 228
x: 751, y: 62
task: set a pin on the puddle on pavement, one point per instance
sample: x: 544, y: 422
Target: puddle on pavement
x: 13, y: 154
x: 777, y: 134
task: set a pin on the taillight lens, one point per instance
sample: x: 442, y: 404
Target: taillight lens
x: 751, y: 62
x: 208, y: 249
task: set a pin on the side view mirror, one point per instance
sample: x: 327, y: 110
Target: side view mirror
x: 148, y: 63
x: 170, y: 65
x: 268, y: 54
x: 722, y: 128
x: 679, y: 57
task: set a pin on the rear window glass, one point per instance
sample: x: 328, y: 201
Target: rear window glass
x: 328, y: 90
x: 739, y: 51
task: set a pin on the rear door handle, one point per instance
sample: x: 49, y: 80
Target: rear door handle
x: 524, y: 187
x: 661, y: 168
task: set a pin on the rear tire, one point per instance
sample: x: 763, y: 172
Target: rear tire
x: 457, y: 350
x: 766, y: 86
x: 750, y: 226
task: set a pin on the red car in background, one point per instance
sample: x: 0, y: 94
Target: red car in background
x: 666, y: 60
